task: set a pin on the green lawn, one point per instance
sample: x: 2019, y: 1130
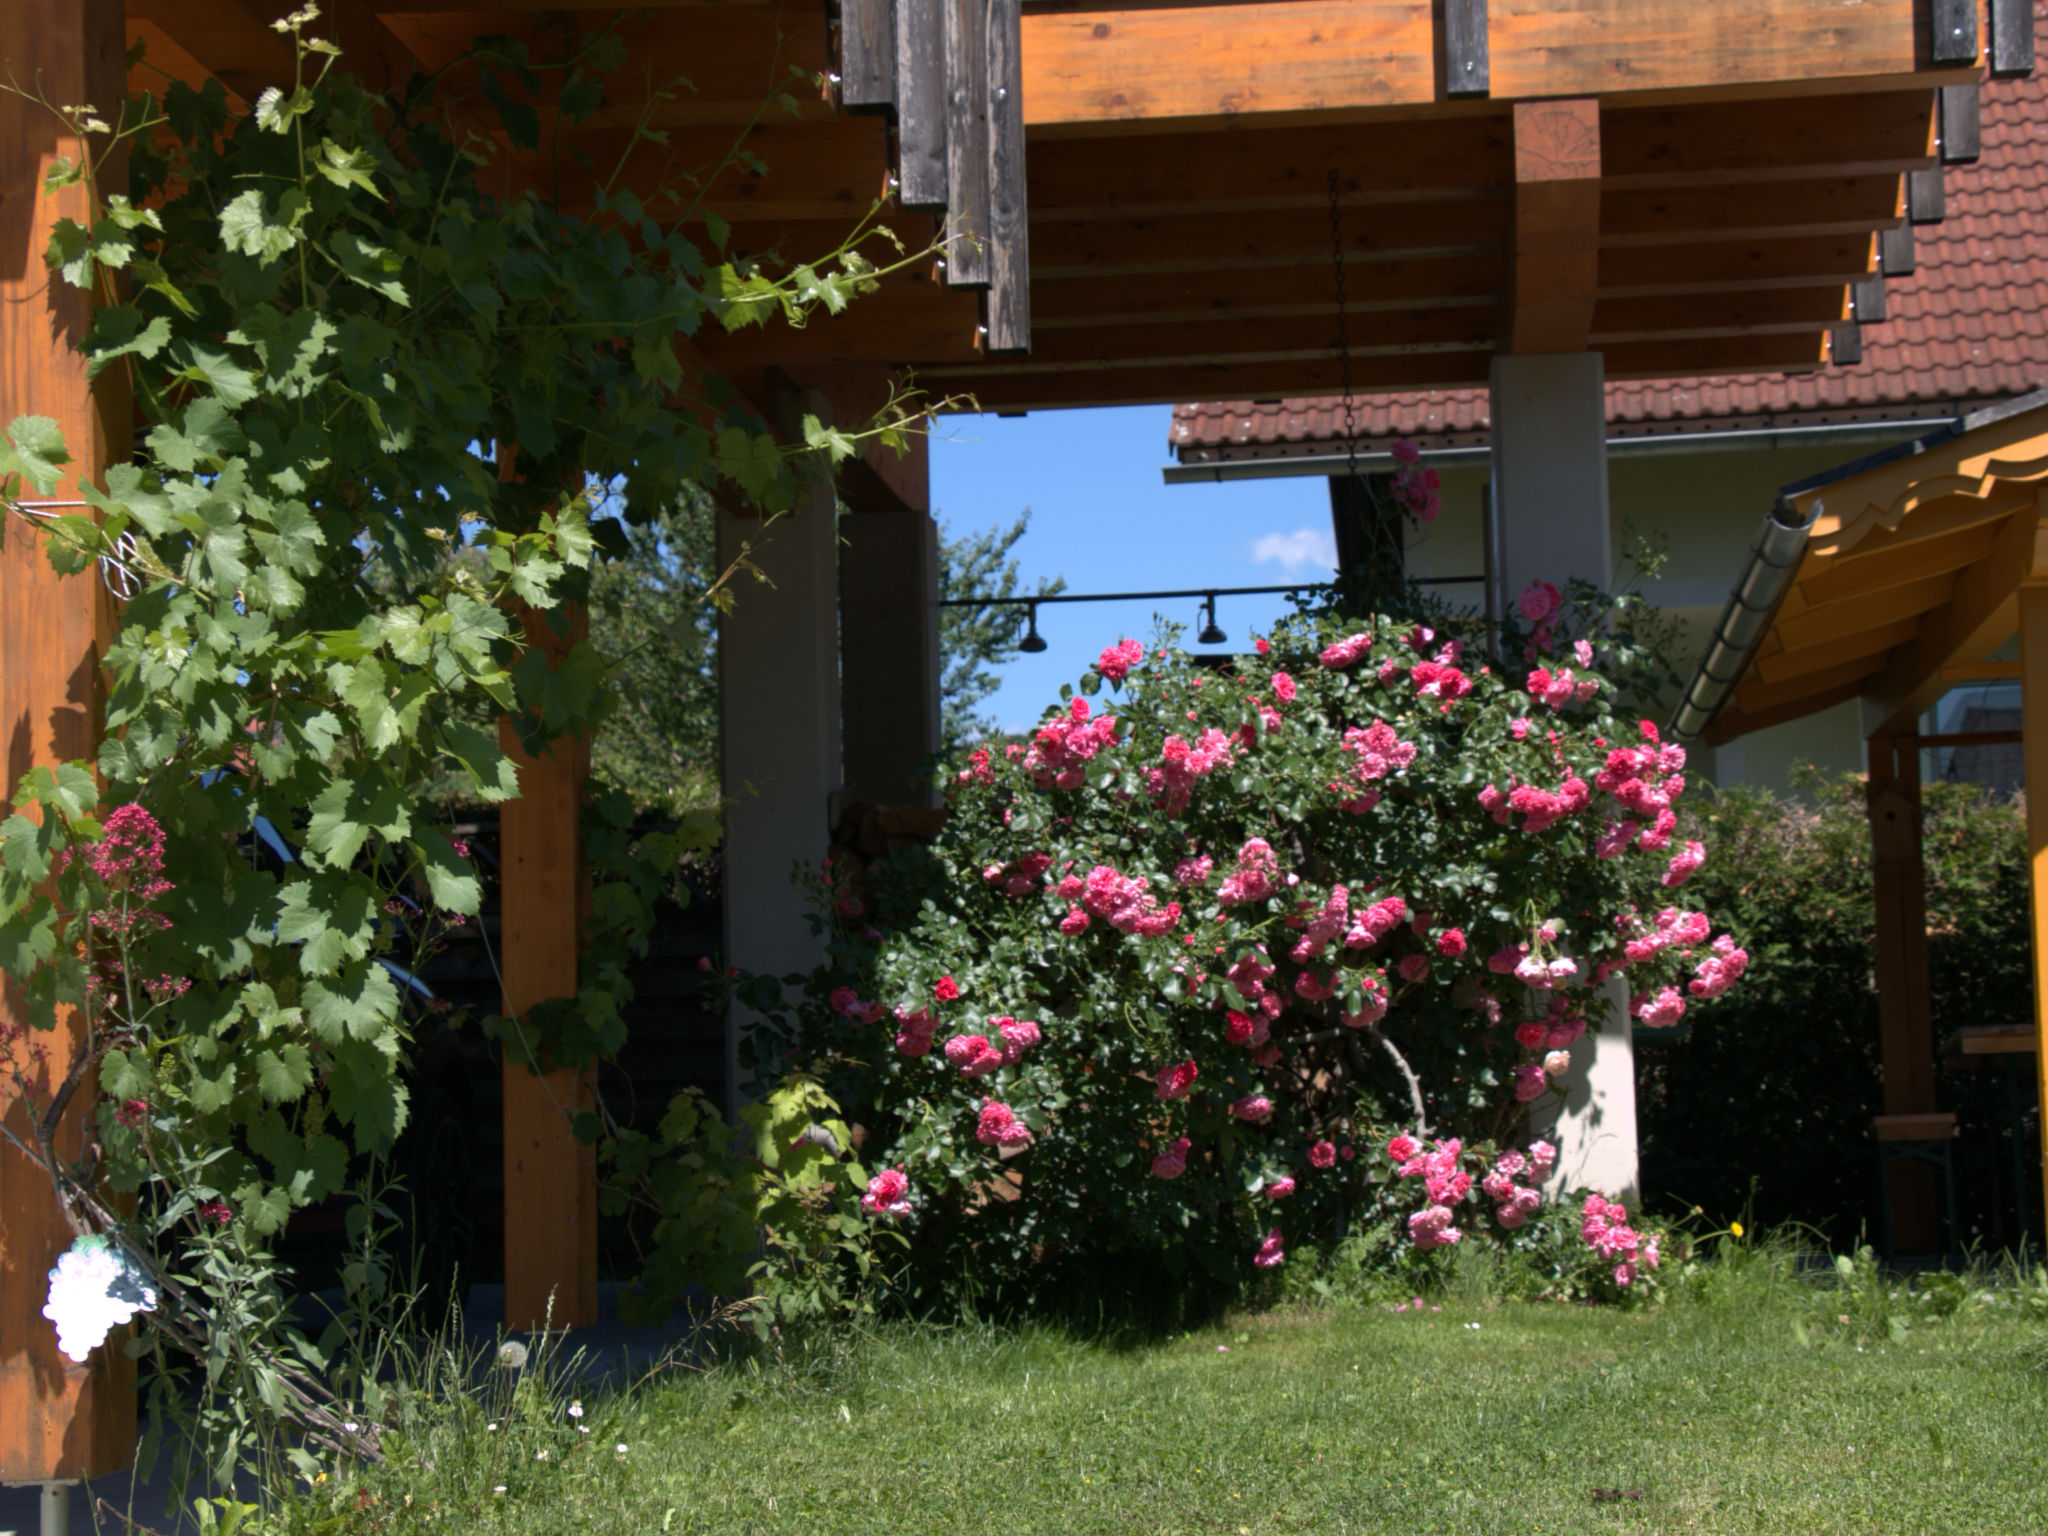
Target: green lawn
x: 1350, y: 1419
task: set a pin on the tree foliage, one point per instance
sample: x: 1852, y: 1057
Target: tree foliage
x: 976, y: 640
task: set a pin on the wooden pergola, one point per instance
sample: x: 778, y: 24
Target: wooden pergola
x: 1141, y: 203
x: 1888, y: 582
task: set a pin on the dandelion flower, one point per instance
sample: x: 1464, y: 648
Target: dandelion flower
x: 512, y: 1355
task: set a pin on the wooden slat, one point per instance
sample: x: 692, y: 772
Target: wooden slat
x: 867, y: 55
x: 1009, y: 296
x: 1976, y: 620
x: 2033, y: 622
x: 1952, y: 31
x: 1384, y: 333
x: 1768, y: 210
x: 921, y: 104
x: 909, y: 320
x: 1755, y: 697
x: 1221, y: 63
x: 1238, y: 172
x: 1783, y: 666
x: 1845, y: 344
x: 1788, y: 311
x: 1556, y: 253
x: 1184, y: 298
x: 1865, y: 610
x: 967, y: 143
x: 550, y: 1177
x: 1926, y: 198
x: 1708, y: 144
x: 1895, y: 249
x: 1962, y: 132
x: 1833, y: 580
x: 1803, y: 262
x: 824, y: 170
x: 1732, y: 723
x: 1206, y: 243
x: 1856, y: 535
x: 2012, y: 40
x: 1866, y: 300
x: 57, y: 1419
x: 1467, y: 68
x: 1764, y: 353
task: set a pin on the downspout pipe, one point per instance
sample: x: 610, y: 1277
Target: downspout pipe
x: 1747, y: 618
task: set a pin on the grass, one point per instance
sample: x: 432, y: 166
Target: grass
x: 1751, y: 1405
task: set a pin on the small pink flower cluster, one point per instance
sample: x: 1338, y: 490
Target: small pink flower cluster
x: 1373, y: 985
x: 1022, y: 877
x: 1192, y: 872
x: 1126, y: 903
x: 888, y: 1194
x: 1514, y: 1204
x: 1256, y: 877
x: 1540, y: 809
x: 1644, y: 780
x: 978, y: 1055
x: 1416, y: 488
x: 1683, y: 931
x: 1061, y: 749
x: 979, y: 770
x: 1253, y: 1109
x: 998, y: 1127
x: 1116, y: 661
x: 1272, y: 1252
x: 1283, y: 688
x: 1540, y: 604
x: 1173, y: 1162
x: 1345, y: 653
x: 1379, y: 750
x: 914, y: 1031
x: 1604, y: 1227
x: 131, y: 843
x: 1562, y: 688
x: 847, y: 1003
x: 1443, y: 1183
x: 1436, y: 680
x: 1172, y: 784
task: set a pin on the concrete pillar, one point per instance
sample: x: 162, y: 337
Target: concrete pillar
x: 889, y: 639
x: 1550, y: 511
x: 778, y: 665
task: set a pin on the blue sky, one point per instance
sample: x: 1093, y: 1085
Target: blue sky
x: 1102, y: 517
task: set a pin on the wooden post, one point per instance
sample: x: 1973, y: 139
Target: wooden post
x: 550, y: 1177
x: 1904, y: 1000
x: 58, y: 1421
x: 2034, y: 733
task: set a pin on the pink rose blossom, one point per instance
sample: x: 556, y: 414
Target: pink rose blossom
x: 973, y: 1055
x: 1283, y: 688
x: 1173, y: 1162
x: 1345, y: 652
x: 998, y: 1127
x: 1402, y: 1148
x: 888, y: 1194
x: 1322, y: 1154
x: 1451, y: 943
x: 1116, y: 662
x: 1539, y: 600
x: 1530, y: 1083
x: 1076, y: 921
x: 1271, y: 1252
x: 1195, y: 871
x: 1280, y: 1188
x: 1176, y: 1080
x: 1253, y: 1108
x: 1018, y: 1036
x: 946, y: 990
x: 1661, y: 1011
x: 1431, y: 1228
x: 1557, y: 1063
x: 1414, y: 967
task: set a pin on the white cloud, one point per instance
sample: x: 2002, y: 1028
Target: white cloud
x: 1303, y: 550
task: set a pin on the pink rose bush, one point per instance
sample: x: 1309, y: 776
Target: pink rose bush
x: 1247, y: 949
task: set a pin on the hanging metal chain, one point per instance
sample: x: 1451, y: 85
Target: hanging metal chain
x: 1343, y: 344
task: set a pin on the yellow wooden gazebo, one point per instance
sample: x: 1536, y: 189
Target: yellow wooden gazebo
x: 1890, y: 580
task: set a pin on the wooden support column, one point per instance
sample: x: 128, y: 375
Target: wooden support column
x: 1904, y: 1000
x: 58, y: 1421
x: 2034, y: 733
x: 550, y: 1177
x: 1555, y: 267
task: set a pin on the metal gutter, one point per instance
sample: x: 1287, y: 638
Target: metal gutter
x: 1637, y: 446
x: 1747, y: 618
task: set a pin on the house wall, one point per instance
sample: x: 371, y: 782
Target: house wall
x: 1702, y: 509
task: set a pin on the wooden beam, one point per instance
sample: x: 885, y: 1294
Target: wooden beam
x: 867, y: 55
x: 1848, y: 205
x: 1206, y: 243
x: 1732, y: 723
x: 1012, y: 390
x: 1926, y: 196
x: 826, y: 171
x: 1895, y: 249
x: 58, y: 1420
x: 1788, y: 311
x: 1850, y: 539
x: 1555, y: 265
x: 1631, y: 272
x: 1904, y: 992
x: 1781, y: 666
x: 1188, y: 298
x: 1009, y: 294
x: 1834, y: 580
x: 1962, y: 131
x: 1975, y: 621
x: 550, y: 1176
x: 1952, y: 31
x: 1255, y: 171
x: 1764, y: 353
x: 2033, y: 620
x: 967, y: 159
x: 2012, y: 42
x: 1755, y: 697
x: 921, y: 104
x: 1715, y: 143
x: 1866, y: 610
x: 911, y: 320
x: 1467, y: 67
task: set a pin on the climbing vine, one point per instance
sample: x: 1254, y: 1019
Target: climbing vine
x: 332, y: 552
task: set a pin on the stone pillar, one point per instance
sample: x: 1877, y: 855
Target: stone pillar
x: 778, y: 679
x: 889, y: 639
x: 1550, y: 508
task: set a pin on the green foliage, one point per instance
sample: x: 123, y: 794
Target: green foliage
x: 331, y: 330
x: 1795, y: 878
x: 1063, y: 894
x: 974, y: 641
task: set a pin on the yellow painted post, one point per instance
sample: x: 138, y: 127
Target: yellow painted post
x: 2034, y: 730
